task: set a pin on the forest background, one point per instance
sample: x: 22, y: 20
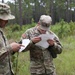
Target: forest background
x: 27, y: 13
x: 64, y: 63
x: 27, y: 10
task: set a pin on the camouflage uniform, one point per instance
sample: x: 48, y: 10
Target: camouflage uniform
x: 40, y: 58
x: 4, y: 55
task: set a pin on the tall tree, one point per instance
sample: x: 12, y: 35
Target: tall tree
x: 20, y: 12
x: 27, y: 11
x: 68, y: 10
x: 15, y: 11
x: 57, y: 9
x: 2, y: 1
x: 52, y: 10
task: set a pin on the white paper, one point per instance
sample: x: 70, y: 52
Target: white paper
x: 25, y: 42
x: 44, y: 37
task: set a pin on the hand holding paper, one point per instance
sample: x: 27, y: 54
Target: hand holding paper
x: 51, y: 42
x: 44, y: 37
x: 25, y: 42
x: 36, y: 39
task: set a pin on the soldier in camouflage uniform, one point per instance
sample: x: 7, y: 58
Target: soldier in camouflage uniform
x: 5, y: 49
x: 41, y: 61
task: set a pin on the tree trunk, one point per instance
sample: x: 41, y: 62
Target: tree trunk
x: 20, y: 12
x: 68, y: 11
x: 52, y: 11
x: 2, y: 1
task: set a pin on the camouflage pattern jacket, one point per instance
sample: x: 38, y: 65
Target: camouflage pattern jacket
x: 41, y: 60
x: 4, y: 55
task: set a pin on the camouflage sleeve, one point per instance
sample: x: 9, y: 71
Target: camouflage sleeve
x: 26, y: 36
x: 4, y: 50
x: 57, y: 47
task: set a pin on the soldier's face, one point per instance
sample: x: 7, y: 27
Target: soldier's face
x: 3, y: 23
x: 42, y: 31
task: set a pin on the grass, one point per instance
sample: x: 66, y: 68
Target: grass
x: 23, y: 63
x: 64, y: 63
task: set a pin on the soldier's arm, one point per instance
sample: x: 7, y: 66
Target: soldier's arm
x: 4, y: 51
x: 26, y: 36
x: 57, y: 47
x: 9, y: 49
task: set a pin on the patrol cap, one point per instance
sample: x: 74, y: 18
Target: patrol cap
x: 45, y: 22
x: 5, y: 13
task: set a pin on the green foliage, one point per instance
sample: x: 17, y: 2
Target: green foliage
x: 72, y: 27
x: 22, y: 64
x: 15, y: 28
x: 64, y: 29
x: 64, y: 63
x: 35, y: 8
x: 15, y: 31
x: 25, y: 27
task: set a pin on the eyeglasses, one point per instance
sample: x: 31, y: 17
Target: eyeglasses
x: 45, y: 24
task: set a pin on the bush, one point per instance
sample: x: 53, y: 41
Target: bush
x: 64, y: 29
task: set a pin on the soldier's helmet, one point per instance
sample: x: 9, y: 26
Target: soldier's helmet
x: 5, y: 12
x: 45, y: 22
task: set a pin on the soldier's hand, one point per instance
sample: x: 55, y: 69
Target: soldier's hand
x: 51, y: 42
x: 23, y: 36
x: 15, y: 46
x: 36, y: 39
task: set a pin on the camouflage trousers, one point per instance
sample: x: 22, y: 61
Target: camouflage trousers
x: 44, y: 74
x: 7, y: 74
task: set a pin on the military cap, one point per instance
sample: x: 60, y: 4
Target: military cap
x: 45, y: 22
x: 5, y: 12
